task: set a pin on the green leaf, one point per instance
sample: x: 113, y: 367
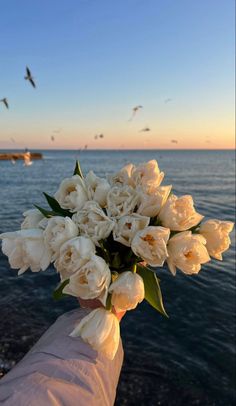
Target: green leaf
x: 152, y: 289
x: 77, y: 170
x: 55, y: 206
x: 116, y: 261
x: 58, y: 294
x: 46, y: 213
x: 155, y: 221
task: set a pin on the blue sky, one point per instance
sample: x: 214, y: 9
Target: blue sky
x: 93, y: 60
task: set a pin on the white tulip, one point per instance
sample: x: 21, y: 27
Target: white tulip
x: 59, y: 230
x: 127, y: 226
x: 151, y: 203
x: 123, y: 177
x: 187, y: 252
x: 216, y: 233
x: 121, y: 201
x: 32, y: 219
x: 72, y: 193
x: 90, y: 281
x: 100, y: 329
x: 179, y: 214
x: 147, y: 175
x: 73, y: 255
x: 93, y: 222
x: 127, y: 291
x: 150, y: 245
x: 97, y: 188
x: 26, y: 249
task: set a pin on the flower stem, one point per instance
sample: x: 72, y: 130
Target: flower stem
x: 108, y: 302
x: 134, y: 268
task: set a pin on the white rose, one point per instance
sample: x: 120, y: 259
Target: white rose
x: 100, y: 329
x: 93, y: 222
x: 179, y: 214
x: 59, y: 230
x: 216, y: 233
x: 26, y: 249
x: 72, y: 193
x: 151, y: 203
x: 123, y: 177
x: 121, y: 201
x: 187, y: 252
x: 73, y: 255
x: 150, y: 245
x: 91, y: 281
x: 127, y: 226
x: 97, y: 188
x: 127, y: 291
x: 147, y: 175
x: 32, y: 219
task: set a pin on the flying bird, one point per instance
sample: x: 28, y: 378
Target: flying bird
x: 27, y: 158
x: 13, y: 140
x: 4, y: 100
x: 52, y: 138
x: 134, y: 111
x: 98, y: 136
x: 145, y: 129
x: 29, y: 77
x: 168, y: 100
x: 174, y: 141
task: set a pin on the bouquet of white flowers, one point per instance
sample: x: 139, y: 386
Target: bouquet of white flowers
x: 102, y: 235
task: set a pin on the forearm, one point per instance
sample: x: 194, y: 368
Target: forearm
x: 62, y: 370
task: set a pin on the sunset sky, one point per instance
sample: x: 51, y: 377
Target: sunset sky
x: 93, y: 60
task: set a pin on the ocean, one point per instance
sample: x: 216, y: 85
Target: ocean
x: 188, y: 359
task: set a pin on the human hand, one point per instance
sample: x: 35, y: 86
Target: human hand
x: 95, y: 303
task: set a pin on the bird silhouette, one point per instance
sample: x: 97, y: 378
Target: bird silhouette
x: 52, y: 138
x: 174, y: 141
x: 168, y: 100
x: 4, y: 100
x: 134, y: 111
x: 98, y: 136
x: 145, y: 129
x: 29, y: 77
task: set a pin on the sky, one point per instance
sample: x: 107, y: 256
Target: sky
x: 94, y: 60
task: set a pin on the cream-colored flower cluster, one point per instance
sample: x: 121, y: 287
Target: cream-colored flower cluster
x: 100, y: 232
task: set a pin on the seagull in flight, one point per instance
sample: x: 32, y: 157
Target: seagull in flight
x: 134, y: 111
x: 52, y: 138
x: 174, y: 141
x: 145, y: 129
x: 4, y: 100
x: 168, y: 100
x: 29, y: 77
x: 98, y: 136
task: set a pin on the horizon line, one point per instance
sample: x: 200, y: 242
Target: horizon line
x: 118, y: 149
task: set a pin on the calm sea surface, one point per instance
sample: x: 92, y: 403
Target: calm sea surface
x: 188, y: 359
